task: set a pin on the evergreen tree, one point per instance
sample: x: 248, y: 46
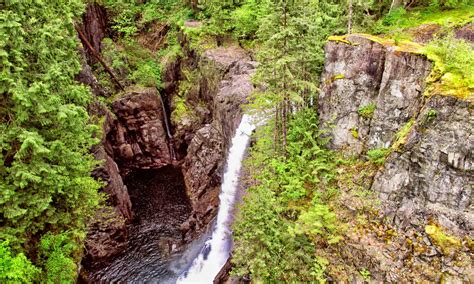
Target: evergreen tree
x: 45, y: 131
x: 291, y: 56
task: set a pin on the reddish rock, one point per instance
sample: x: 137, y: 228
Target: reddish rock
x: 466, y: 32
x: 138, y: 137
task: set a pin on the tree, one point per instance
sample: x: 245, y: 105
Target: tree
x: 46, y: 133
x: 291, y: 56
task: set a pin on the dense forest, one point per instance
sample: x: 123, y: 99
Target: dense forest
x: 294, y: 224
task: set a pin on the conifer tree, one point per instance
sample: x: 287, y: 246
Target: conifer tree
x: 45, y: 130
x: 291, y: 55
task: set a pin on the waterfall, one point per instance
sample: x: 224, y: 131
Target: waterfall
x: 168, y: 131
x: 217, y: 249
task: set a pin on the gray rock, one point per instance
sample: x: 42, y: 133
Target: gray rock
x: 432, y: 175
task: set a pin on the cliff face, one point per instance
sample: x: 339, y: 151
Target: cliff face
x: 373, y: 96
x: 430, y: 172
x: 137, y: 139
x: 204, y: 163
x: 362, y: 74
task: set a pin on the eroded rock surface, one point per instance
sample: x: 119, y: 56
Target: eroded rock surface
x: 367, y: 73
x: 138, y: 138
x: 204, y: 163
x: 427, y: 179
x: 433, y: 175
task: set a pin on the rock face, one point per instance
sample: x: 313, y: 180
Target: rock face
x: 204, y: 163
x: 138, y: 138
x: 366, y: 74
x: 430, y: 174
x: 94, y: 28
x: 432, y: 177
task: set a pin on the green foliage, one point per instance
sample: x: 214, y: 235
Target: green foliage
x: 402, y: 135
x: 46, y: 135
x: 130, y: 16
x: 365, y: 274
x: 319, y: 222
x: 148, y: 74
x: 285, y: 214
x: 247, y: 18
x: 218, y: 14
x: 454, y: 67
x: 367, y: 111
x: 430, y: 115
x: 400, y: 19
x: 56, y: 254
x: 449, y: 3
x: 15, y: 269
x: 377, y: 156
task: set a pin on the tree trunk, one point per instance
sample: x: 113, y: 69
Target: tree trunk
x: 395, y: 4
x: 349, y: 22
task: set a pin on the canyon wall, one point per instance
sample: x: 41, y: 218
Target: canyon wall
x: 373, y: 98
x: 140, y: 134
x: 430, y: 171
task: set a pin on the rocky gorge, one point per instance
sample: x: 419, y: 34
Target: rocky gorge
x: 164, y: 172
x: 164, y: 166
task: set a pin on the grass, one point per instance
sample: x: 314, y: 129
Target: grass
x: 402, y: 20
x: 453, y: 71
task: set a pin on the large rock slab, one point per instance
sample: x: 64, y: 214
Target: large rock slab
x: 362, y: 72
x: 138, y: 138
x: 430, y: 176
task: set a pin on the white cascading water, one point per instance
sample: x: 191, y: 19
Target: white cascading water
x: 216, y: 250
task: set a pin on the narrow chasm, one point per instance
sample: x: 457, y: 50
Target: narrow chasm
x: 160, y: 206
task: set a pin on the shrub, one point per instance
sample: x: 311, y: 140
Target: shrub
x: 16, y: 269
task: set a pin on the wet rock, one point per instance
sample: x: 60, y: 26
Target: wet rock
x: 204, y: 163
x: 138, y: 137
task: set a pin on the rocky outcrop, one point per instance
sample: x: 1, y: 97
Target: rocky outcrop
x: 373, y: 95
x: 369, y: 91
x: 94, y: 27
x: 138, y: 139
x: 432, y: 176
x: 372, y: 99
x: 204, y: 163
x: 466, y: 32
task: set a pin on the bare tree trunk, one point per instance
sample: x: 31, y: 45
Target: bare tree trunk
x: 284, y: 118
x: 276, y: 131
x: 285, y: 86
x: 395, y: 4
x: 349, y: 22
